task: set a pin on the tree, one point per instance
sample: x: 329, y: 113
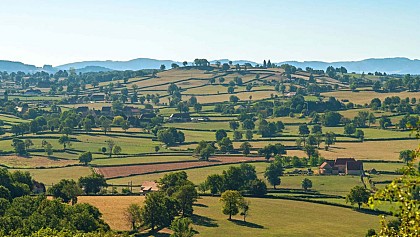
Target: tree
x: 316, y: 129
x: 186, y: 196
x: 65, y: 141
x: 92, y: 183
x: 158, y: 210
x: 248, y: 124
x: 237, y: 135
x: 273, y: 172
x: 231, y: 201
x: 257, y: 187
x: 85, y: 157
x: 404, y: 193
x: 204, y: 150
x: 310, y: 151
x: 245, y: 148
x: 220, y: 134
x: 110, y: 144
x: 28, y: 143
x: 133, y: 215
x: 105, y: 124
x: 48, y: 148
x: 19, y: 147
x: 406, y: 156
x: 360, y: 134
x: 349, y: 129
x: 198, y: 107
x: 358, y: 195
x: 303, y: 130
x: 329, y: 139
x: 244, y: 208
x: 249, y: 134
x: 116, y: 150
x: 181, y: 227
x: 162, y: 67
x: 234, y: 125
x: 331, y: 119
x: 225, y: 145
x: 214, y: 182
x: 67, y: 190
x: 185, y: 63
x: 231, y: 90
x: 306, y: 184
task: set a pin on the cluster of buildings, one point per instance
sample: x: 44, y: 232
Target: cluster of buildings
x: 347, y: 166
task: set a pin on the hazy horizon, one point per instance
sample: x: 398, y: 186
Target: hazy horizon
x: 60, y: 32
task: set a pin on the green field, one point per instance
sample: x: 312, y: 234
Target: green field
x: 270, y: 217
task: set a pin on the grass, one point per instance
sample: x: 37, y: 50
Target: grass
x: 372, y: 150
x: 196, y: 175
x: 296, y: 218
x: 32, y: 162
x: 269, y: 217
x: 363, y: 97
x: 141, y: 160
x: 54, y: 175
x: 201, y: 125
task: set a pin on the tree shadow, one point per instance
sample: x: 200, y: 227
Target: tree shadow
x: 157, y: 233
x: 204, y: 221
x: 200, y: 205
x: 247, y: 224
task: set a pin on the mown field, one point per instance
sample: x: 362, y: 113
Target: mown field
x: 268, y: 217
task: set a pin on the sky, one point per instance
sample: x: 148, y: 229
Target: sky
x: 56, y: 32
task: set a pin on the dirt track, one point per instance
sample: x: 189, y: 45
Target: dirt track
x: 123, y: 171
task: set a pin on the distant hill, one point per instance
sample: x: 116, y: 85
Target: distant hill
x: 234, y: 62
x: 93, y: 69
x: 388, y: 65
x: 10, y: 66
x: 135, y: 64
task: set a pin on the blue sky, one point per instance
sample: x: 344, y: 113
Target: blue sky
x: 61, y: 31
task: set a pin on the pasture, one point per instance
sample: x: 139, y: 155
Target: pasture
x: 297, y: 218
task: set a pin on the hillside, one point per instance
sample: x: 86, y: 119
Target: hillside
x: 388, y: 65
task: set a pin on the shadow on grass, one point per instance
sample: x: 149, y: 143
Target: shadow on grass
x: 204, y: 221
x: 156, y: 233
x: 247, y: 224
x: 200, y: 205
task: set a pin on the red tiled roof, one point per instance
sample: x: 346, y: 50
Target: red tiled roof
x: 343, y: 161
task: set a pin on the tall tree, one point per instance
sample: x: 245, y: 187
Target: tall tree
x: 231, y: 201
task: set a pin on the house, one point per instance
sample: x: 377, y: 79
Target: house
x: 149, y: 186
x: 131, y: 111
x: 147, y: 117
x: 180, y: 117
x: 290, y: 94
x: 348, y: 166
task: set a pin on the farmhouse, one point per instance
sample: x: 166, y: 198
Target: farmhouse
x: 348, y: 166
x: 149, y: 186
x: 180, y: 117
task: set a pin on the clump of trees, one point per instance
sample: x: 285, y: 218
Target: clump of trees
x: 175, y: 198
x: 171, y: 136
x: 24, y: 215
x: 242, y: 178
